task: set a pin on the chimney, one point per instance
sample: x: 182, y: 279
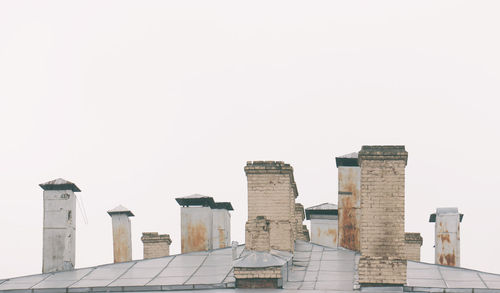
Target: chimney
x: 155, y: 245
x: 257, y: 234
x: 221, y: 231
x: 122, y: 235
x: 382, y: 241
x: 59, y: 225
x: 302, y: 232
x: 324, y: 224
x: 271, y: 199
x: 413, y: 242
x: 196, y: 222
x: 447, y: 231
x: 349, y: 200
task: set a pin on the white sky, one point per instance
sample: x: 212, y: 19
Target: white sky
x: 140, y: 102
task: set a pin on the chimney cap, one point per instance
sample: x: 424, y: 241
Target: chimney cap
x: 196, y: 200
x: 442, y: 211
x: 322, y: 209
x: 120, y: 210
x: 224, y: 205
x: 59, y: 184
x: 349, y: 160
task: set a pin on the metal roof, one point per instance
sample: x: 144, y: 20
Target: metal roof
x: 196, y: 200
x: 312, y: 268
x: 349, y: 160
x: 322, y: 209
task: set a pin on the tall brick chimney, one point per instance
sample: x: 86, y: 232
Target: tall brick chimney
x: 155, y: 245
x: 122, y: 234
x: 382, y: 241
x: 349, y: 200
x: 59, y: 225
x: 447, y: 231
x: 271, y: 197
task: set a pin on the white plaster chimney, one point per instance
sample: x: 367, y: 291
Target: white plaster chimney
x: 122, y: 234
x: 221, y: 229
x: 324, y: 224
x: 59, y: 225
x: 447, y: 233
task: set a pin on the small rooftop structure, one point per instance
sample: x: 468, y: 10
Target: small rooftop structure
x: 121, y: 210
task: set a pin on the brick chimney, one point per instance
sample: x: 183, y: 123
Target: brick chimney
x: 271, y: 197
x: 324, y: 224
x: 349, y: 200
x: 302, y: 231
x: 382, y: 235
x: 59, y: 225
x: 413, y: 242
x: 155, y: 245
x: 447, y: 231
x: 122, y: 234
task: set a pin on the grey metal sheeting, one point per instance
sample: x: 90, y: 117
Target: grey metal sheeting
x: 313, y: 268
x: 208, y: 269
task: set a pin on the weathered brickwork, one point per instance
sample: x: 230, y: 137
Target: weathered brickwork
x: 413, y: 242
x: 271, y: 194
x: 302, y: 233
x: 257, y: 234
x: 382, y: 236
x: 269, y: 277
x: 156, y: 245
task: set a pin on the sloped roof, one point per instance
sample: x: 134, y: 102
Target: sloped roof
x: 313, y: 268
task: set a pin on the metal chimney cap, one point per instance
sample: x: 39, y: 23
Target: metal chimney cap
x: 196, y: 200
x: 59, y: 184
x: 120, y: 210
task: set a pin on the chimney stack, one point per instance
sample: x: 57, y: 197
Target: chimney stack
x: 155, y: 245
x: 271, y: 205
x: 221, y: 231
x: 59, y: 225
x: 349, y: 200
x: 382, y: 241
x: 122, y: 234
x: 413, y: 242
x: 205, y: 224
x: 447, y: 231
x: 324, y: 224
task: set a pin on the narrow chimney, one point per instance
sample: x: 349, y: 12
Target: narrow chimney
x: 413, y: 242
x: 59, y: 225
x: 258, y: 234
x: 122, y: 234
x: 324, y: 224
x: 155, y: 245
x: 447, y: 231
x: 349, y: 200
x: 302, y: 232
x: 221, y: 231
x: 382, y: 241
x: 271, y: 197
x: 196, y: 222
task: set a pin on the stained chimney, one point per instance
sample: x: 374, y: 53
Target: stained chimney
x: 122, y: 234
x: 271, y: 197
x: 349, y: 200
x: 59, y: 225
x: 382, y: 235
x: 155, y: 245
x: 413, y: 242
x: 324, y: 224
x: 221, y: 230
x: 447, y: 231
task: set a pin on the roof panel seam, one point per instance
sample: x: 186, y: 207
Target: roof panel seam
x: 197, y: 269
x: 90, y: 271
x: 121, y: 274
x: 161, y: 271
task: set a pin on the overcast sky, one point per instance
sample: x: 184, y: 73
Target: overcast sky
x: 141, y: 102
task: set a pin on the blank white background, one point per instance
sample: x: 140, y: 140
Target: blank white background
x: 139, y: 102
